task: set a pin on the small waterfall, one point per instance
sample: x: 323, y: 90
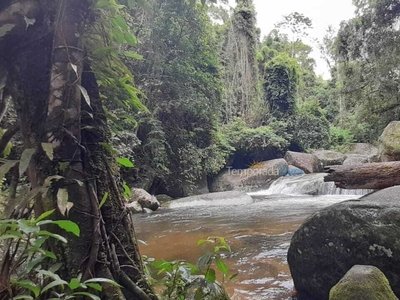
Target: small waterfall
x: 310, y: 184
x: 329, y: 188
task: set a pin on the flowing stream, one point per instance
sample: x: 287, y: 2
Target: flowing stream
x: 259, y: 231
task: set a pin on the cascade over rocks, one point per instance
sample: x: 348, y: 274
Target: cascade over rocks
x: 309, y: 163
x: 333, y: 240
x: 363, y: 282
x: 329, y: 158
x: 258, y: 176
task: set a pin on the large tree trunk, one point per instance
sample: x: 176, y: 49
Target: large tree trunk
x: 45, y: 74
x: 365, y: 176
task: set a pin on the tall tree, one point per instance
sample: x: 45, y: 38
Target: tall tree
x: 240, y: 74
x: 44, y: 46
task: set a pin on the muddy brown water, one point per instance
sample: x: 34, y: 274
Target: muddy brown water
x: 259, y: 235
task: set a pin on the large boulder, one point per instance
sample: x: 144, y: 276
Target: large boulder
x: 355, y: 159
x: 363, y: 282
x: 309, y: 163
x: 258, y: 176
x: 144, y: 199
x: 363, y: 149
x: 333, y: 240
x: 389, y: 142
x: 330, y: 158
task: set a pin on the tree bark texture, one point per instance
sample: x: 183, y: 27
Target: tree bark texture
x: 47, y: 71
x: 365, y: 176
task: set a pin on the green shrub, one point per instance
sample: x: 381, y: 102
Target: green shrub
x: 339, y: 136
x: 245, y: 139
x: 311, y: 128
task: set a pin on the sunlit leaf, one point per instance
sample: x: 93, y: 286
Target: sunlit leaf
x: 68, y: 226
x: 62, y: 200
x: 103, y: 200
x: 25, y: 160
x: 48, y: 149
x: 45, y: 215
x: 125, y: 162
x: 85, y: 94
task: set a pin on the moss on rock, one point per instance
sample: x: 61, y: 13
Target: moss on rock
x: 364, y: 283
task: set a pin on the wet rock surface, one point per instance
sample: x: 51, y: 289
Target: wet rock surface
x: 333, y: 240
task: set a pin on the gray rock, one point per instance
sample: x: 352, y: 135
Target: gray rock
x: 134, y: 207
x: 355, y: 159
x: 258, y: 176
x: 144, y: 199
x: 330, y: 158
x: 364, y: 283
x: 309, y: 163
x: 333, y: 240
x: 389, y: 142
x: 363, y: 149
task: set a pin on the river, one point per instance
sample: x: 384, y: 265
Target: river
x: 259, y: 232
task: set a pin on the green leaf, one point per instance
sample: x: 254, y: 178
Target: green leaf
x: 204, y: 261
x: 48, y: 149
x: 210, y: 275
x: 27, y: 227
x: 53, y: 235
x: 25, y: 160
x: 103, y: 200
x: 49, y: 254
x: 63, y: 166
x: 95, y: 286
x: 120, y: 21
x: 45, y: 215
x: 222, y: 266
x: 132, y: 54
x: 125, y: 162
x: 130, y: 39
x: 23, y: 297
x: 53, y: 284
x: 85, y: 94
x: 6, y: 167
x: 101, y: 280
x: 34, y: 263
x: 127, y: 190
x: 86, y: 294
x: 68, y: 226
x: 27, y: 284
x: 74, y: 283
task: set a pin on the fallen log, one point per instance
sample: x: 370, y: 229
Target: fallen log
x: 366, y: 176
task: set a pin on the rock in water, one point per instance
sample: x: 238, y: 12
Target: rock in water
x: 135, y: 207
x: 144, y: 199
x: 389, y: 147
x: 333, y: 240
x: 330, y: 158
x: 364, y: 283
x: 309, y: 163
x: 260, y: 175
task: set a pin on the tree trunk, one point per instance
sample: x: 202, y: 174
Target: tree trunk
x: 45, y: 68
x: 365, y: 176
